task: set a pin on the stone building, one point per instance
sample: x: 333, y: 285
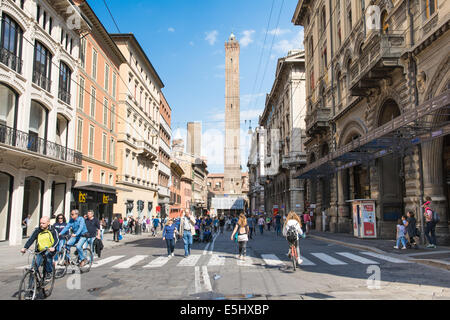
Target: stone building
x: 194, y: 138
x: 176, y: 189
x: 138, y: 131
x: 39, y: 51
x: 283, y: 121
x: 378, y: 81
x: 216, y: 187
x: 96, y: 123
x: 164, y: 165
x: 256, y: 171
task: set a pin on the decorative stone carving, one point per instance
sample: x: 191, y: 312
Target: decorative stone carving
x: 421, y: 80
x: 28, y: 163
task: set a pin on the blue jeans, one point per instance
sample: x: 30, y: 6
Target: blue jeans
x: 403, y: 240
x: 170, y: 246
x: 78, y: 240
x: 261, y: 228
x: 59, y: 247
x: 37, y: 261
x: 88, y: 242
x: 187, y: 238
x: 278, y: 229
x: 430, y: 229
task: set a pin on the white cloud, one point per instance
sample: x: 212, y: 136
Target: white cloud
x: 278, y: 31
x: 247, y: 99
x: 247, y: 38
x: 171, y: 29
x: 211, y: 36
x: 251, y: 114
x: 191, y: 43
x: 283, y: 46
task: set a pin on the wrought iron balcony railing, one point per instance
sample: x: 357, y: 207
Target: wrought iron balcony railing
x: 11, y: 60
x: 41, y: 80
x: 31, y: 142
x: 64, y: 96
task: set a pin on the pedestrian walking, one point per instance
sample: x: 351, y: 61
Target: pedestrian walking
x: 278, y: 224
x: 116, y: 229
x: 268, y: 222
x: 251, y: 226
x: 155, y: 226
x: 187, y: 231
x: 401, y: 231
x: 103, y: 227
x: 242, y: 230
x: 411, y: 229
x: 307, y: 220
x: 430, y: 224
x: 221, y: 223
x: 169, y: 233
x: 261, y: 224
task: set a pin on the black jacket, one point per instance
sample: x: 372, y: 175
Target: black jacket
x: 35, y: 234
x: 116, y: 225
x: 98, y: 247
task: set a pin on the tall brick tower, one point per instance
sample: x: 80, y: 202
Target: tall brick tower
x: 232, y: 169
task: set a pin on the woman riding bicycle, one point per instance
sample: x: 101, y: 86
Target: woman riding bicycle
x: 293, y: 226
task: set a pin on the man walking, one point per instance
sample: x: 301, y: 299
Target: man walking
x: 430, y: 224
x: 116, y: 229
x: 278, y: 224
x: 251, y: 226
x: 187, y: 230
x: 93, y: 228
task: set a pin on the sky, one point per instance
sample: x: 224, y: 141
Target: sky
x: 184, y: 40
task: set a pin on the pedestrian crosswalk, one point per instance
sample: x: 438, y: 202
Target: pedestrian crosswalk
x: 310, y: 259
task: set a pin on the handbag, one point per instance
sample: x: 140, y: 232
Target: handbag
x: 120, y: 235
x: 236, y: 237
x: 242, y: 237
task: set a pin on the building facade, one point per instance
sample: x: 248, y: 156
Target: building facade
x: 184, y: 160
x: 137, y: 130
x: 38, y: 73
x: 370, y: 131
x: 216, y: 186
x: 165, y: 151
x: 256, y: 171
x: 232, y: 155
x: 96, y: 123
x: 283, y: 121
x: 176, y: 190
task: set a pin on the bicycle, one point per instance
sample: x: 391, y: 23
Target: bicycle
x: 33, y: 280
x: 293, y: 254
x: 63, y: 261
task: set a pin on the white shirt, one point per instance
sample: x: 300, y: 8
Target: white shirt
x: 294, y: 223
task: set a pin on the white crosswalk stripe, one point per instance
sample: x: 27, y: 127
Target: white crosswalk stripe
x: 130, y: 262
x: 328, y: 259
x: 356, y: 258
x: 248, y: 262
x: 306, y: 262
x: 272, y: 260
x: 158, y: 262
x: 189, y: 261
x: 383, y: 257
x: 104, y: 261
x: 216, y: 260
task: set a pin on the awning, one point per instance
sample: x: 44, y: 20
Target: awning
x: 397, y: 136
x: 91, y: 186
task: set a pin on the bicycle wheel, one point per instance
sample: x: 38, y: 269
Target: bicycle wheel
x: 28, y: 286
x: 47, y: 287
x: 90, y: 258
x: 61, y: 265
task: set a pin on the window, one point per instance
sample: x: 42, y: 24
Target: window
x: 339, y: 34
x: 349, y: 20
x: 91, y: 141
x: 323, y: 20
x: 105, y: 112
x: 44, y: 22
x: 384, y: 23
x: 112, y: 118
x: 38, y: 13
x: 324, y: 59
x: 430, y: 7
x: 104, y: 146
x: 111, y: 179
x: 8, y: 105
x: 89, y: 174
x: 80, y: 135
x: 64, y: 82
x: 94, y: 64
x: 112, y: 152
x: 42, y: 66
x: 106, y: 77
x: 37, y: 126
x: 11, y: 44
x: 83, y: 52
x: 102, y: 177
x: 311, y: 79
x: 50, y: 25
x: 114, y: 84
x: 81, y: 94
x: 93, y: 93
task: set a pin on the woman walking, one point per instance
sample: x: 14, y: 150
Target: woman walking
x: 169, y: 233
x: 242, y: 229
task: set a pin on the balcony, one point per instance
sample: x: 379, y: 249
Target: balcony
x: 10, y: 60
x: 42, y: 81
x: 317, y: 120
x: 294, y: 159
x: 64, y: 96
x: 379, y: 57
x: 147, y: 150
x: 25, y: 141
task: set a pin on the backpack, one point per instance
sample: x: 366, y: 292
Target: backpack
x: 45, y: 240
x: 436, y: 217
x: 291, y: 234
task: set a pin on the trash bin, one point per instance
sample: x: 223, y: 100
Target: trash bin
x: 137, y: 228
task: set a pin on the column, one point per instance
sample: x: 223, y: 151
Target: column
x: 15, y: 229
x: 344, y: 222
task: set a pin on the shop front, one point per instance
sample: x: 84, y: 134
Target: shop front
x: 101, y: 200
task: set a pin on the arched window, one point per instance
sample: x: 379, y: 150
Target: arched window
x: 64, y: 82
x: 389, y: 111
x: 339, y: 86
x: 430, y: 8
x: 8, y: 109
x: 37, y: 126
x: 323, y: 19
x: 349, y: 77
x: 42, y: 66
x: 11, y: 44
x: 384, y: 23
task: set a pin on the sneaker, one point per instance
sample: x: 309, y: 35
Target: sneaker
x: 403, y: 248
x: 83, y: 263
x: 173, y: 254
x: 299, y: 261
x: 434, y: 246
x: 395, y: 247
x: 429, y: 246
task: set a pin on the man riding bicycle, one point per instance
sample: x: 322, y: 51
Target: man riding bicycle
x: 78, y: 226
x: 47, y: 240
x: 292, y: 229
